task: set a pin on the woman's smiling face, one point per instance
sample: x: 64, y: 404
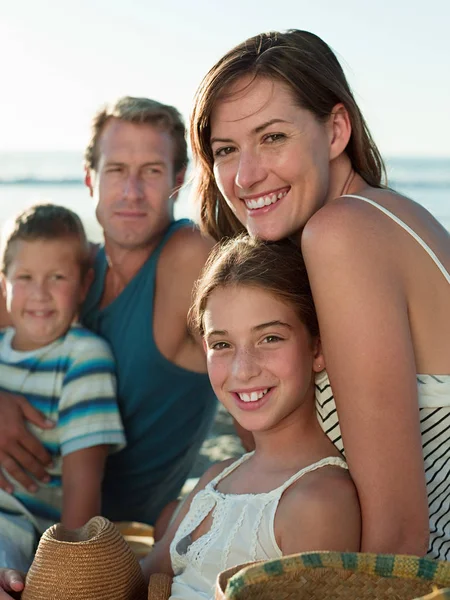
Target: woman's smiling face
x: 271, y: 157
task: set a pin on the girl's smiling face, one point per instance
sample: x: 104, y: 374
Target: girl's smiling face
x: 261, y: 358
x: 271, y: 157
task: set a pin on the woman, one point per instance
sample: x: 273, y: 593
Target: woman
x: 282, y: 150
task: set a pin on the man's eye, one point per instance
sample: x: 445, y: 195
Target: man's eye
x: 152, y: 171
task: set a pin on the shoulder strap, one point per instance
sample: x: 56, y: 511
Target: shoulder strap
x: 408, y: 229
x: 334, y: 461
x: 174, y: 226
x: 230, y: 469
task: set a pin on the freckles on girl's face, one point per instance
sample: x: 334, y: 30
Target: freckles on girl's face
x: 259, y: 355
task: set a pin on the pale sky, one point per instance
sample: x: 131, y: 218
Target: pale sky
x: 60, y: 60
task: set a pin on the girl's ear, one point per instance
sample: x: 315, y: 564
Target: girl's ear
x: 319, y: 361
x: 205, y: 347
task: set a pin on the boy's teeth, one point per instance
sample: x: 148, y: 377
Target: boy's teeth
x: 253, y: 396
x: 264, y: 200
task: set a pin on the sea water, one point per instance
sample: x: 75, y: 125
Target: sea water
x: 30, y: 177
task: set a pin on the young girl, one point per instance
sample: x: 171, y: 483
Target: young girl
x: 254, y: 310
x: 282, y: 150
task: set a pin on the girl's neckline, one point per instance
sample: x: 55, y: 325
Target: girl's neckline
x: 326, y: 461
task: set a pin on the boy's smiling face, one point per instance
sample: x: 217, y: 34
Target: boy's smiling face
x: 43, y: 289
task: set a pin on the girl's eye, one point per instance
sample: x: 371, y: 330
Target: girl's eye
x: 219, y: 346
x: 223, y: 151
x: 23, y: 277
x: 270, y: 339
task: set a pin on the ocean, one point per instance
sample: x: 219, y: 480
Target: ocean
x: 30, y: 177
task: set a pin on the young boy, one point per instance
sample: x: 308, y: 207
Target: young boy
x: 62, y: 369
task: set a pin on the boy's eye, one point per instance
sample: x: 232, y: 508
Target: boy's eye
x: 219, y: 346
x: 57, y: 276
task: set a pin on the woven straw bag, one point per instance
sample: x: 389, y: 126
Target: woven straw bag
x: 90, y: 563
x: 336, y: 576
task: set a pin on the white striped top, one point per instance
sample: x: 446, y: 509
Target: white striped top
x: 434, y: 408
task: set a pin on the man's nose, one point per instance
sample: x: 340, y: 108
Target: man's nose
x: 133, y: 187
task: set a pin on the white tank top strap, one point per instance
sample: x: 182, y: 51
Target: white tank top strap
x: 406, y: 227
x: 334, y: 461
x: 230, y: 469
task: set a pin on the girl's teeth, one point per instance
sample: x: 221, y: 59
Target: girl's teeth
x: 253, y: 396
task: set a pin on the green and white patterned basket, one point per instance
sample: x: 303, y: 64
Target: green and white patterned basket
x: 337, y: 576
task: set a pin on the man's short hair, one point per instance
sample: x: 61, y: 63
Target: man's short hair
x: 139, y: 110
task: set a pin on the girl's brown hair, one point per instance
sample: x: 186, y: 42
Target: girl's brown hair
x: 276, y: 267
x: 309, y: 67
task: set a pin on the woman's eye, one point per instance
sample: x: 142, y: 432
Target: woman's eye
x: 223, y: 151
x: 274, y: 137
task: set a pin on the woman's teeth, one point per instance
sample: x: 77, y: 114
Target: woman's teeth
x: 264, y: 200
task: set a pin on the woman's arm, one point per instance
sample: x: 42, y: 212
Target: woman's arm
x: 362, y: 306
x: 82, y: 476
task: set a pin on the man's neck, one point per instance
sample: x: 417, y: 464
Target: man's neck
x: 123, y: 265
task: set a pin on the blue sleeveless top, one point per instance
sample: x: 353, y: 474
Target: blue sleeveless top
x: 166, y: 410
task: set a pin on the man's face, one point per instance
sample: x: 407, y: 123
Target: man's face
x: 134, y: 183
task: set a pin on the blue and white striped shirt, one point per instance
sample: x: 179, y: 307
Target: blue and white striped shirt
x: 72, y: 382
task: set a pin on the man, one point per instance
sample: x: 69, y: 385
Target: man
x: 139, y: 300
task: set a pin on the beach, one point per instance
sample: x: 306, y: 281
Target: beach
x: 32, y: 177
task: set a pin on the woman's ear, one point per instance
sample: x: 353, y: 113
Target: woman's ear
x: 318, y: 361
x: 340, y: 130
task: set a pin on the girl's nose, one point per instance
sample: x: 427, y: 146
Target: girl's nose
x: 245, y: 365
